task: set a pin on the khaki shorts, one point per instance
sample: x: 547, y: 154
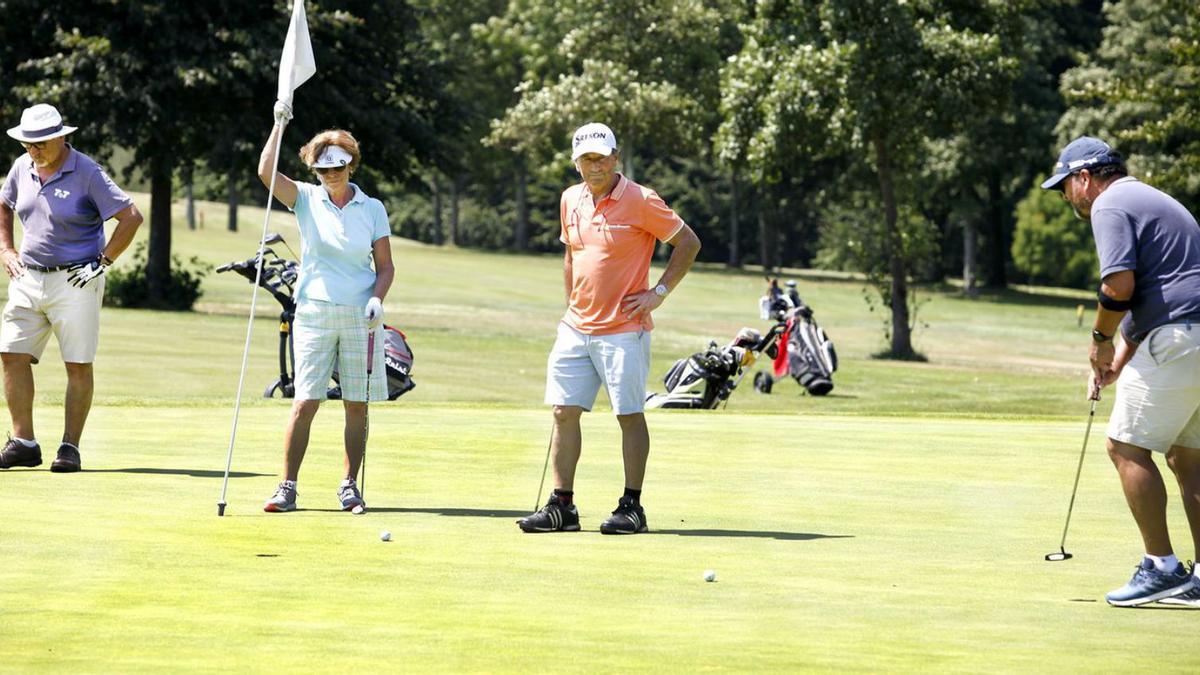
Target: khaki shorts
x: 41, y: 303
x: 1158, y: 393
x: 325, y: 335
x: 580, y: 363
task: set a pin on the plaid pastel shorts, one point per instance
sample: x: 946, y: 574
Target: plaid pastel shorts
x: 326, y: 335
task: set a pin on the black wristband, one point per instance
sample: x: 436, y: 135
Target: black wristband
x: 1111, y: 303
x: 1097, y: 336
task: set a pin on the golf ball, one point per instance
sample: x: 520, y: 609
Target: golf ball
x: 710, y: 575
x: 385, y: 536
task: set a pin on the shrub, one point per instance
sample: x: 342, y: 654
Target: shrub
x: 127, y: 287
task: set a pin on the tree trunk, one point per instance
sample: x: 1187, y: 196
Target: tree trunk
x: 997, y: 267
x: 521, y: 238
x: 437, y: 234
x: 191, y: 201
x: 901, y: 335
x: 735, y: 259
x: 766, y: 240
x: 969, y: 283
x: 158, y: 260
x: 232, y: 195
x: 627, y: 168
x: 455, y: 189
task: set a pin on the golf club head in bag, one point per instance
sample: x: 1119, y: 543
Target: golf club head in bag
x: 398, y: 358
x: 704, y: 379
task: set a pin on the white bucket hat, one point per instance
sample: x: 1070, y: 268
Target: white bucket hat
x: 593, y: 137
x: 333, y: 156
x: 40, y: 122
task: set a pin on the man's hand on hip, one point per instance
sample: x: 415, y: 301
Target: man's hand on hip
x: 636, y: 305
x: 12, y: 263
x: 83, y: 273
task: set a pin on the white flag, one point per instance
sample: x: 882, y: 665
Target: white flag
x: 296, y: 64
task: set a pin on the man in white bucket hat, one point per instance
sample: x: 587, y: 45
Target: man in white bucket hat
x: 56, y: 280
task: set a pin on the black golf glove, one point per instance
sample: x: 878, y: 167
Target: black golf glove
x: 83, y: 273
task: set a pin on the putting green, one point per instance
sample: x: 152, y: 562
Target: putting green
x: 838, y: 542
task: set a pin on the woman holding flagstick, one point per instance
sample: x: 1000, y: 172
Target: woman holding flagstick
x: 339, y: 297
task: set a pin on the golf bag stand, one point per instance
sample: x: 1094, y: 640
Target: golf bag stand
x: 705, y: 379
x: 285, y: 384
x: 805, y: 352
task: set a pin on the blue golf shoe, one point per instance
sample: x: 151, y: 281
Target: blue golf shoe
x: 1150, y: 585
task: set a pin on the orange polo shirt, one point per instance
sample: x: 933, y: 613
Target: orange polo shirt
x: 611, y: 244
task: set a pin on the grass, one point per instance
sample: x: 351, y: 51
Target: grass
x: 898, y: 525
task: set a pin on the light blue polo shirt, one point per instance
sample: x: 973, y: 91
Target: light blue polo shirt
x: 335, y: 245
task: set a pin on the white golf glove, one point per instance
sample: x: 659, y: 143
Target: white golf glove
x: 374, y: 313
x: 283, y: 113
x: 83, y: 273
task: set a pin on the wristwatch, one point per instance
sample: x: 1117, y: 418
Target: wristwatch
x: 661, y: 290
x: 1097, y: 336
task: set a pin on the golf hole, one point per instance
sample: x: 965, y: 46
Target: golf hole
x: 266, y: 555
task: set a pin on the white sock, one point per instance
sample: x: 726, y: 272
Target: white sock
x: 25, y: 442
x: 289, y: 484
x: 347, y: 481
x: 1166, y: 563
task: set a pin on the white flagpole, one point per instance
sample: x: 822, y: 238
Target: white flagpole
x: 262, y: 245
x: 296, y: 65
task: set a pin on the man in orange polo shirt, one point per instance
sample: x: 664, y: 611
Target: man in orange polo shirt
x: 610, y: 226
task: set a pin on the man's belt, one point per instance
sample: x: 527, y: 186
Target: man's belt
x: 53, y: 268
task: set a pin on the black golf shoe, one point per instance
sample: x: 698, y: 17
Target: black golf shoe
x: 16, y: 453
x: 554, y: 517
x: 67, y: 460
x: 629, y: 518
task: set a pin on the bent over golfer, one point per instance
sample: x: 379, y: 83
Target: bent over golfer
x: 339, y: 298
x: 610, y: 226
x: 1149, y: 249
x: 56, y: 281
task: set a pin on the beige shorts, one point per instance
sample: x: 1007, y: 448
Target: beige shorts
x: 41, y: 303
x: 1158, y: 393
x: 580, y: 364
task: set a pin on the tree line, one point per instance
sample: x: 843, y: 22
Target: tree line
x: 900, y: 139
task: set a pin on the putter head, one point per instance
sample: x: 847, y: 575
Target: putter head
x: 220, y: 509
x: 1061, y: 554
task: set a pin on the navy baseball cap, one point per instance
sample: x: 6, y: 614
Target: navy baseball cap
x: 1084, y: 152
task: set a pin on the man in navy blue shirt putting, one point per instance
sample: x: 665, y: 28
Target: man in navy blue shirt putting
x: 1149, y: 250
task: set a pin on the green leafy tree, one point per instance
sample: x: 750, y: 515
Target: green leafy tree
x: 1051, y: 245
x: 872, y: 79
x: 186, y: 81
x: 1141, y: 91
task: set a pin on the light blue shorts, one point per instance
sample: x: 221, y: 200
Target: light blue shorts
x: 326, y: 335
x: 580, y: 363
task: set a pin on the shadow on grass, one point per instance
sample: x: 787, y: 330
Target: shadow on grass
x: 443, y: 511
x: 194, y: 473
x: 756, y: 534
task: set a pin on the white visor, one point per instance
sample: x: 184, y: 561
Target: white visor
x: 333, y: 156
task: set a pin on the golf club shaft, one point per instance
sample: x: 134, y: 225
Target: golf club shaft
x: 362, y: 482
x: 1078, y: 470
x: 545, y: 465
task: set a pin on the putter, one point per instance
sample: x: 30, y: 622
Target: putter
x: 362, y: 482
x: 537, y: 504
x: 1061, y: 553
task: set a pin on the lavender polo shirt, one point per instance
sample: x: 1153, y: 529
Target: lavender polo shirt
x: 63, y: 218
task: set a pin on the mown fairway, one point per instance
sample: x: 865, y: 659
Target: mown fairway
x: 898, y: 524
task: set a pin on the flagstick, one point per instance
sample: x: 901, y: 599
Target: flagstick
x: 262, y: 245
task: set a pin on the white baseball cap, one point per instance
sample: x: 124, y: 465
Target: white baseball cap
x: 333, y: 156
x: 593, y: 137
x: 40, y: 122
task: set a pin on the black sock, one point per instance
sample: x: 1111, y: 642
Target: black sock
x: 635, y: 495
x: 564, y: 497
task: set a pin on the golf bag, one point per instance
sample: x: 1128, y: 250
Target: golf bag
x: 805, y: 352
x: 279, y: 276
x: 398, y: 357
x: 704, y: 379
